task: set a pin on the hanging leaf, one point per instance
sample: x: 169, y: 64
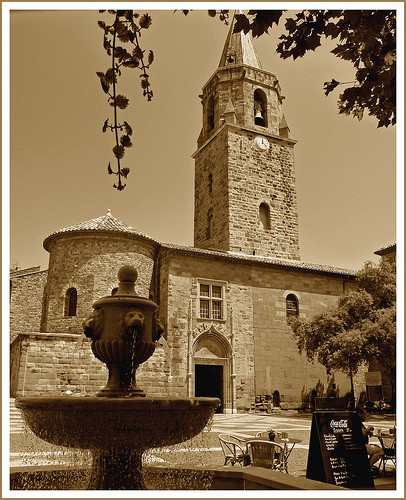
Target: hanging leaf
x: 128, y: 129
x: 110, y: 75
x: 330, y: 86
x: 105, y: 126
x: 138, y: 53
x: 109, y: 169
x: 124, y: 172
x: 118, y: 152
x: 122, y: 54
x: 120, y: 101
x: 150, y: 57
x: 131, y: 64
x: 145, y: 21
x: 120, y: 186
x: 126, y: 141
x: 104, y: 83
x: 122, y: 32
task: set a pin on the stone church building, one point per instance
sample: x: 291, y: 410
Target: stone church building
x: 227, y: 301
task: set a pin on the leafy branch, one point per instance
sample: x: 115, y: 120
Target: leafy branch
x: 126, y: 28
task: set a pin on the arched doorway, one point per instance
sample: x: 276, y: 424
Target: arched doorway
x: 212, y: 356
x: 276, y: 398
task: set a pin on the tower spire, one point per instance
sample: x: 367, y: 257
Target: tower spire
x: 239, y: 48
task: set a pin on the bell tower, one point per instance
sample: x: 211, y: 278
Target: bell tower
x: 245, y: 191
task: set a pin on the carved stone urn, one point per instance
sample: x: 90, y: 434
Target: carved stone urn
x: 117, y: 429
x: 123, y: 328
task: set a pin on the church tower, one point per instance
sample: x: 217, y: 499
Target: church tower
x: 245, y: 192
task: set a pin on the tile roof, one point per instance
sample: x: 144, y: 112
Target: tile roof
x: 104, y: 223
x: 384, y: 250
x: 109, y: 223
x: 257, y: 259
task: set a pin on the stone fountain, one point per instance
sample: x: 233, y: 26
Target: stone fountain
x: 120, y: 422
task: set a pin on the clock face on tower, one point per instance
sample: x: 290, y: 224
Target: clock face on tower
x: 262, y: 143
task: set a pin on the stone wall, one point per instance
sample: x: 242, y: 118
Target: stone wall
x: 262, y: 177
x: 50, y: 363
x: 26, y: 296
x: 265, y: 354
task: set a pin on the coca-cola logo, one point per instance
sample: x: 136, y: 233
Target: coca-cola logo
x: 339, y: 426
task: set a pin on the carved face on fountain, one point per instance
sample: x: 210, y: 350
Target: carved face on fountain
x: 133, y: 324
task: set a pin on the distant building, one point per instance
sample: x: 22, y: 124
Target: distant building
x: 226, y: 302
x: 388, y: 253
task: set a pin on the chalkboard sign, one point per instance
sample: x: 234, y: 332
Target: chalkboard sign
x: 337, y: 453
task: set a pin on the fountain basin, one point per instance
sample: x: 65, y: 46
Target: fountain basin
x: 104, y: 423
x: 116, y: 430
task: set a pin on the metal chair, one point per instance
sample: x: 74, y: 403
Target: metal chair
x: 388, y: 444
x: 267, y: 454
x: 233, y: 451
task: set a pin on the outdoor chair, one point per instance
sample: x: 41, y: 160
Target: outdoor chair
x: 234, y: 452
x: 267, y: 454
x: 388, y: 444
x: 239, y: 441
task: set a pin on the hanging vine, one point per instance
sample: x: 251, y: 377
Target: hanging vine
x: 126, y: 29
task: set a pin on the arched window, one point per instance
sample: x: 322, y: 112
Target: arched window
x: 292, y: 307
x: 264, y: 216
x: 210, y: 223
x: 71, y: 298
x: 260, y: 106
x: 210, y: 114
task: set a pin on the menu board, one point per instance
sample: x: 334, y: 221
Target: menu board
x: 337, y: 453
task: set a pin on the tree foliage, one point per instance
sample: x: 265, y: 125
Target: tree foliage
x: 126, y: 29
x: 366, y: 38
x: 360, y: 328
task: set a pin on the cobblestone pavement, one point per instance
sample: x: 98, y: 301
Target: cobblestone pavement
x: 205, y: 450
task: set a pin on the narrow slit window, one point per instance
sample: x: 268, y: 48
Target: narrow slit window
x: 210, y: 224
x: 71, y: 299
x: 264, y: 216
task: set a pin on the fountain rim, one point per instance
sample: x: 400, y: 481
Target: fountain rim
x: 95, y: 403
x: 119, y: 300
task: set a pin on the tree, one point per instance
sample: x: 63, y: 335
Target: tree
x: 360, y: 328
x: 366, y: 38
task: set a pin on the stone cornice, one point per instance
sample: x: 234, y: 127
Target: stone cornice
x: 247, y: 128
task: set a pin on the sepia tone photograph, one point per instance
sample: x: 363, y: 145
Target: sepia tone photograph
x: 201, y: 210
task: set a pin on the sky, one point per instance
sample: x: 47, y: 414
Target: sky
x: 345, y: 168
